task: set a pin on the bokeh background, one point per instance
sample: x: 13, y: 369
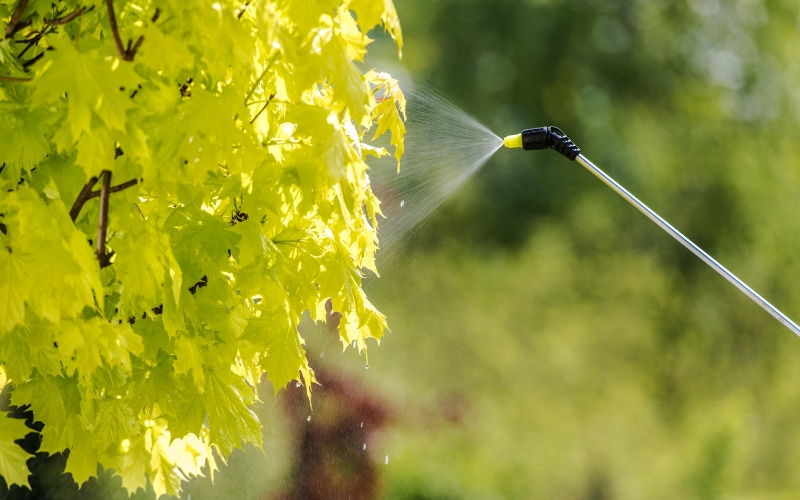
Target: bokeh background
x: 547, y: 340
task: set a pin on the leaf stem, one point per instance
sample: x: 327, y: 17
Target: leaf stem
x: 80, y: 29
x: 102, y: 226
x: 12, y: 24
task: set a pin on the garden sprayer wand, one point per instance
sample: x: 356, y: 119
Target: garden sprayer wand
x: 554, y: 138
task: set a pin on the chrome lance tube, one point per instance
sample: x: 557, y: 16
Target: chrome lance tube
x: 689, y: 244
x: 553, y: 138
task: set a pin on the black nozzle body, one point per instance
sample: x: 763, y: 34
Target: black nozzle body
x: 550, y: 138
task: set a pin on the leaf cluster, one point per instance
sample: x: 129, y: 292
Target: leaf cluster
x: 180, y: 182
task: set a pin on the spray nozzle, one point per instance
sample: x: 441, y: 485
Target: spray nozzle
x: 543, y: 138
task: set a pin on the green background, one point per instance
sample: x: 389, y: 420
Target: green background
x: 593, y: 356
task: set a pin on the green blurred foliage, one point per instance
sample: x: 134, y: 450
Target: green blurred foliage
x: 593, y: 356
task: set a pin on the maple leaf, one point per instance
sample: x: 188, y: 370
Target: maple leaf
x: 226, y: 397
x: 13, y: 458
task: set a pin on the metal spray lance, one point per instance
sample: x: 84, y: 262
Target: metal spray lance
x: 554, y: 138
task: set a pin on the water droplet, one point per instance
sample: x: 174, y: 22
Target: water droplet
x: 402, y: 203
x: 387, y: 459
x: 364, y: 447
x: 367, y: 367
x: 298, y: 384
x: 322, y: 354
x: 362, y: 424
x: 354, y: 343
x: 309, y: 418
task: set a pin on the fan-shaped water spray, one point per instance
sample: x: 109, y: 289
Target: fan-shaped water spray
x: 444, y: 147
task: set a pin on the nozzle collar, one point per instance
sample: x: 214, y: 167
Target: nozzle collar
x: 549, y: 138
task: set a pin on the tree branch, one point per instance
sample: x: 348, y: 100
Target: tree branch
x: 64, y: 20
x: 102, y: 226
x: 83, y: 196
x: 12, y: 24
x: 112, y: 21
x: 114, y: 189
x: 127, y: 54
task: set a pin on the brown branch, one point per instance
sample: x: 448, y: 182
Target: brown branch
x: 112, y: 21
x: 102, y: 225
x: 14, y: 79
x: 64, y: 20
x: 263, y: 108
x: 127, y: 54
x: 12, y: 24
x: 155, y: 16
x: 114, y: 189
x: 84, y: 195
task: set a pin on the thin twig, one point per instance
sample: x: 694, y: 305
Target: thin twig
x: 263, y: 108
x: 80, y: 29
x: 155, y: 16
x: 14, y: 79
x: 64, y: 20
x: 12, y: 24
x: 81, y: 199
x: 114, y: 189
x: 102, y: 225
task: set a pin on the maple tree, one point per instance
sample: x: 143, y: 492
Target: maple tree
x: 181, y: 181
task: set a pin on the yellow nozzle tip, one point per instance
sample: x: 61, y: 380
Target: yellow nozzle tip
x: 513, y: 141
